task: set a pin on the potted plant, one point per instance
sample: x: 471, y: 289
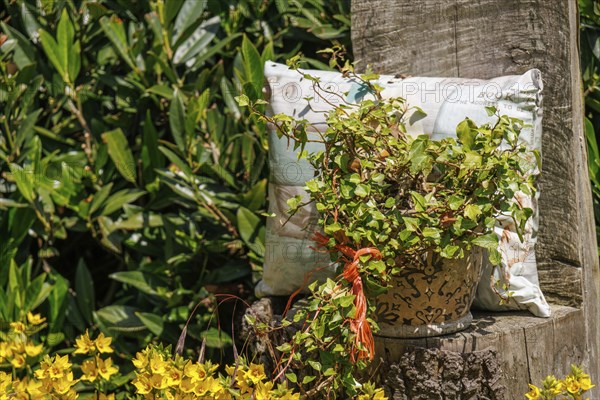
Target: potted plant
x: 408, y: 218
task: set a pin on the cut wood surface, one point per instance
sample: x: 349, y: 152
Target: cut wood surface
x: 488, y: 38
x: 527, y: 348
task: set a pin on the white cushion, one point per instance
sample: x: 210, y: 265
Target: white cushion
x: 446, y: 101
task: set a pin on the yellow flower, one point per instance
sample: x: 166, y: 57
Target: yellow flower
x: 157, y: 364
x: 103, y: 343
x: 32, y: 350
x: 84, y: 345
x: 35, y: 319
x: 56, y: 368
x: 18, y: 327
x: 90, y: 370
x: 34, y: 387
x: 5, y: 350
x: 158, y: 381
x: 195, y: 371
x: 534, y: 393
x: 263, y: 391
x: 106, y: 369
x: 207, y: 386
x: 186, y: 385
x: 103, y: 396
x: 17, y: 347
x: 62, y: 386
x: 140, y: 361
x: 18, y: 361
x: 255, y: 373
x: 586, y: 383
x: 572, y: 385
x: 142, y: 384
x: 173, y: 377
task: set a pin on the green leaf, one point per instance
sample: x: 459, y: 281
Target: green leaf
x: 489, y: 241
x: 454, y: 202
x: 362, y: 190
x: 120, y: 319
x: 190, y: 12
x: 120, y: 153
x: 412, y: 224
x: 417, y: 115
x: 214, y: 49
x: 252, y: 230
x: 227, y: 90
x: 473, y: 159
x: 418, y: 156
x: 74, y: 316
x: 53, y: 53
x: 68, y: 49
x: 472, y: 212
x: 291, y: 377
x: 216, y: 338
x: 314, y: 364
x: 153, y: 322
x: 450, y: 251
x: 24, y: 180
x: 55, y: 338
x: 183, y: 167
x: 136, y: 279
x: 120, y: 198
x: 177, y: 120
x: 114, y: 30
x: 255, y: 198
x: 58, y: 300
x: 198, y: 41
x: 99, y: 198
x: 84, y: 287
x: 467, y: 132
x: 253, y: 66
x: 32, y: 292
x: 495, y: 257
x: 432, y: 233
x: 419, y: 202
x: 25, y: 129
x: 25, y: 52
x: 491, y: 110
x: 242, y: 100
x: 150, y: 155
x: 161, y: 90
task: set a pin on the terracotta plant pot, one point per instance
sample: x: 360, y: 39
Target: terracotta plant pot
x: 431, y: 300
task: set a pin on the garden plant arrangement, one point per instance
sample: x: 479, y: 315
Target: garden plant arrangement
x: 390, y: 202
x: 133, y: 194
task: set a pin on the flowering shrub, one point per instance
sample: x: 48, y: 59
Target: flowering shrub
x: 161, y: 376
x: 572, y: 387
x: 36, y: 374
x: 31, y: 370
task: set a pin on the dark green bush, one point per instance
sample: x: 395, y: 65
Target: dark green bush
x: 129, y: 178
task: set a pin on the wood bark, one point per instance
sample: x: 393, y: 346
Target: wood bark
x: 488, y: 38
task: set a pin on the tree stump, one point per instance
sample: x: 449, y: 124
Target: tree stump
x: 483, y: 39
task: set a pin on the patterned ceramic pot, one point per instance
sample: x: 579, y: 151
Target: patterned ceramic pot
x: 431, y: 300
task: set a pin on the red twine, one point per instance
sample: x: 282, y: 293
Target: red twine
x: 364, y: 346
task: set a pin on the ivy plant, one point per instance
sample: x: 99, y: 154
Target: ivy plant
x: 386, y: 200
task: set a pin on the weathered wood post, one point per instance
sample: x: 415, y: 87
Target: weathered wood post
x: 483, y: 39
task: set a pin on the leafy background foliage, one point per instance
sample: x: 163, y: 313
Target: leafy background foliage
x: 132, y: 186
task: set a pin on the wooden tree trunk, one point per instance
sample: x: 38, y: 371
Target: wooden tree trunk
x: 483, y: 39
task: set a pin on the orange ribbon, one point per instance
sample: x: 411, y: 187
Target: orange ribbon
x: 359, y: 324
